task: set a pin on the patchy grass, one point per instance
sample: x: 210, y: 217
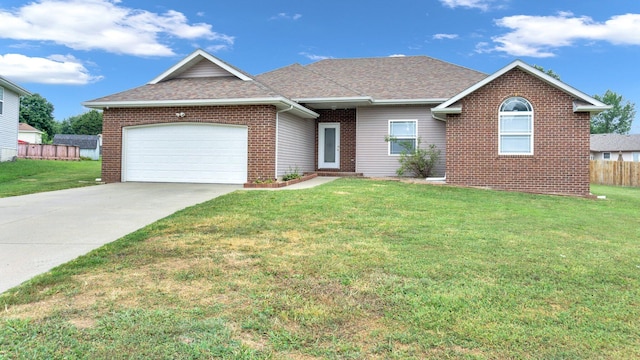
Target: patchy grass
x: 31, y: 176
x: 351, y: 269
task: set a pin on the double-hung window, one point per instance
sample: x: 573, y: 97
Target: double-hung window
x: 516, y: 127
x: 402, y: 136
x: 1, y: 99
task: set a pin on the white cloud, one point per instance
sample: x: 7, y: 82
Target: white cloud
x: 397, y: 55
x: 56, y: 69
x: 483, y: 5
x: 315, y: 57
x: 285, y: 16
x: 445, y: 36
x: 541, y: 36
x: 102, y: 24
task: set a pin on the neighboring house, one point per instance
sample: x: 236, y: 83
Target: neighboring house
x: 29, y: 134
x: 204, y: 120
x: 614, y: 146
x: 89, y: 144
x: 9, y: 117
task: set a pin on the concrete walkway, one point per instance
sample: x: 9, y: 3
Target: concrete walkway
x: 41, y: 231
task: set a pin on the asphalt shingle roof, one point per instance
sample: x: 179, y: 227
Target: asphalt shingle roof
x: 27, y: 128
x: 205, y: 88
x: 391, y: 78
x: 615, y: 142
x: 82, y: 141
x: 410, y: 77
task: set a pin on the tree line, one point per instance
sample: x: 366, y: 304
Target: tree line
x: 38, y: 112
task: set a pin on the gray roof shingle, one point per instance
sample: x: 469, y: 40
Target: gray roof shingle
x: 205, y: 88
x: 82, y: 141
x: 410, y: 77
x: 615, y: 142
x: 384, y: 78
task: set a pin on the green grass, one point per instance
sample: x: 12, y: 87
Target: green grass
x: 354, y: 269
x: 31, y: 176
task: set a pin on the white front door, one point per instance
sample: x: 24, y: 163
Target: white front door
x: 329, y: 145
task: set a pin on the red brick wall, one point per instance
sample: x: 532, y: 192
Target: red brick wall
x: 347, y: 120
x: 259, y: 119
x: 560, y: 163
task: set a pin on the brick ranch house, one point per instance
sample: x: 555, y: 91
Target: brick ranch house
x: 204, y: 120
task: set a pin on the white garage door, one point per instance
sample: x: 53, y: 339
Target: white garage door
x: 192, y: 153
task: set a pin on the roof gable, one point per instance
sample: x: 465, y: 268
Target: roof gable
x: 583, y: 103
x: 201, y: 79
x: 24, y: 127
x: 200, y: 64
x: 5, y: 83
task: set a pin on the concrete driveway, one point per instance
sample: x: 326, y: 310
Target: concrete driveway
x: 41, y: 231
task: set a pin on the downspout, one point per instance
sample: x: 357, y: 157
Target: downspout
x: 277, y: 131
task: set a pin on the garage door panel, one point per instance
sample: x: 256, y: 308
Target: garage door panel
x: 204, y: 153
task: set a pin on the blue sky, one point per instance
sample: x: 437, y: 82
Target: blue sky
x: 71, y: 51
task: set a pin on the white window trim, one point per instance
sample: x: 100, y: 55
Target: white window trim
x: 604, y: 158
x: 1, y: 100
x: 530, y: 134
x: 415, y: 121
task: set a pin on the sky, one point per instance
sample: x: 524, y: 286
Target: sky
x: 70, y: 51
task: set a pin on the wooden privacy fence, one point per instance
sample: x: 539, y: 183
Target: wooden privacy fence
x: 623, y: 173
x: 48, y: 152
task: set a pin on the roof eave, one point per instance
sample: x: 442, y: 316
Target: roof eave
x: 280, y: 103
x: 426, y: 101
x: 441, y: 113
x: 14, y: 87
x: 347, y: 99
x: 593, y: 109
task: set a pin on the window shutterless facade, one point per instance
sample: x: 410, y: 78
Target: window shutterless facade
x: 1, y: 99
x: 403, y: 135
x: 515, y: 127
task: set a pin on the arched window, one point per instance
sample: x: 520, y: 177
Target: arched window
x: 516, y: 127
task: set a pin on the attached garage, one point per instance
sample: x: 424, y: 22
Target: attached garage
x: 185, y: 152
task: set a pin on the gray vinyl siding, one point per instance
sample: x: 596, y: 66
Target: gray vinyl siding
x: 9, y: 125
x: 296, y: 144
x: 372, y: 125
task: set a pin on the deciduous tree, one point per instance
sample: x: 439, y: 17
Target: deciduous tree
x: 89, y: 123
x: 38, y: 112
x: 616, y: 120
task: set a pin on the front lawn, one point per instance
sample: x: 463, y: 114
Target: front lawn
x: 30, y: 176
x: 351, y: 269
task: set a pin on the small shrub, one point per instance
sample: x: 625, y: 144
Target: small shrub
x: 292, y: 174
x: 263, y: 181
x: 417, y: 161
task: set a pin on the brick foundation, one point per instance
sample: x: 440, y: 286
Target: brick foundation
x: 259, y: 119
x: 560, y: 163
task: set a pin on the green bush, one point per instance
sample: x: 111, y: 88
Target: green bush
x: 417, y: 160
